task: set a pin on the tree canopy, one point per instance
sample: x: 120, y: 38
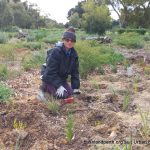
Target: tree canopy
x: 22, y: 14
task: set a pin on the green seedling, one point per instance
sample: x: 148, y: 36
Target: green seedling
x: 95, y: 84
x: 124, y: 147
x: 69, y: 127
x: 137, y: 79
x: 112, y: 90
x: 54, y: 107
x: 147, y: 70
x: 114, y: 68
x: 19, y: 124
x: 126, y: 101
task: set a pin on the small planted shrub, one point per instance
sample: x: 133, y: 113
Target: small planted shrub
x: 145, y: 130
x: 114, y: 68
x: 54, y: 107
x: 3, y: 72
x: 5, y: 93
x: 146, y: 37
x: 70, y: 127
x: 147, y: 70
x: 126, y: 101
x: 3, y: 37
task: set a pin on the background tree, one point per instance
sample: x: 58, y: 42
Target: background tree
x: 132, y: 12
x: 96, y: 18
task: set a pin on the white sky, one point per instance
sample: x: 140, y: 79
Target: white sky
x: 58, y: 9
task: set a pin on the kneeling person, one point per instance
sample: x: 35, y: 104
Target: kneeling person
x: 62, y: 61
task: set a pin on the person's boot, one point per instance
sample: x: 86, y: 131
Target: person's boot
x: 41, y: 96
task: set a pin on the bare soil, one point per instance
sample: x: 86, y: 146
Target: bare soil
x: 97, y: 111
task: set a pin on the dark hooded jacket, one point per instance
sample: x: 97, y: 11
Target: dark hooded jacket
x: 59, y: 65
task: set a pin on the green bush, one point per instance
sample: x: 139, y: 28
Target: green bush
x: 31, y: 38
x: 7, y: 51
x: 50, y: 41
x: 33, y: 45
x: 3, y: 72
x: 10, y: 29
x: 37, y: 34
x: 130, y: 40
x: 139, y: 31
x: 92, y: 57
x: 33, y: 61
x: 3, y: 37
x: 5, y: 93
x: 146, y: 38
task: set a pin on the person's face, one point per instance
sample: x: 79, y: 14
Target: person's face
x: 69, y: 43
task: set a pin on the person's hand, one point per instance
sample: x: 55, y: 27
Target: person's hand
x: 76, y: 91
x: 60, y: 91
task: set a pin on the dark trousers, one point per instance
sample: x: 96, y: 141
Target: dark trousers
x: 52, y: 90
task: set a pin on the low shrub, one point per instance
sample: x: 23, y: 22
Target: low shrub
x: 33, y: 45
x: 7, y: 51
x: 139, y: 31
x: 130, y: 40
x: 3, y: 72
x: 92, y: 57
x: 3, y: 37
x: 33, y: 61
x: 5, y: 93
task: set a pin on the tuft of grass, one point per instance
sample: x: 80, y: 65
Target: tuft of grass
x: 145, y: 130
x: 54, y: 107
x: 126, y: 101
x: 19, y: 125
x: 5, y: 93
x: 147, y: 70
x: 112, y: 89
x: 124, y: 147
x: 70, y: 127
x: 114, y: 68
x: 3, y: 72
x: 7, y: 52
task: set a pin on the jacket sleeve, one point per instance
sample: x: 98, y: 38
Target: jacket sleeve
x: 75, y: 81
x: 51, y: 74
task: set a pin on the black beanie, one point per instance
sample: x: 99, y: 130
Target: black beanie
x: 69, y: 35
